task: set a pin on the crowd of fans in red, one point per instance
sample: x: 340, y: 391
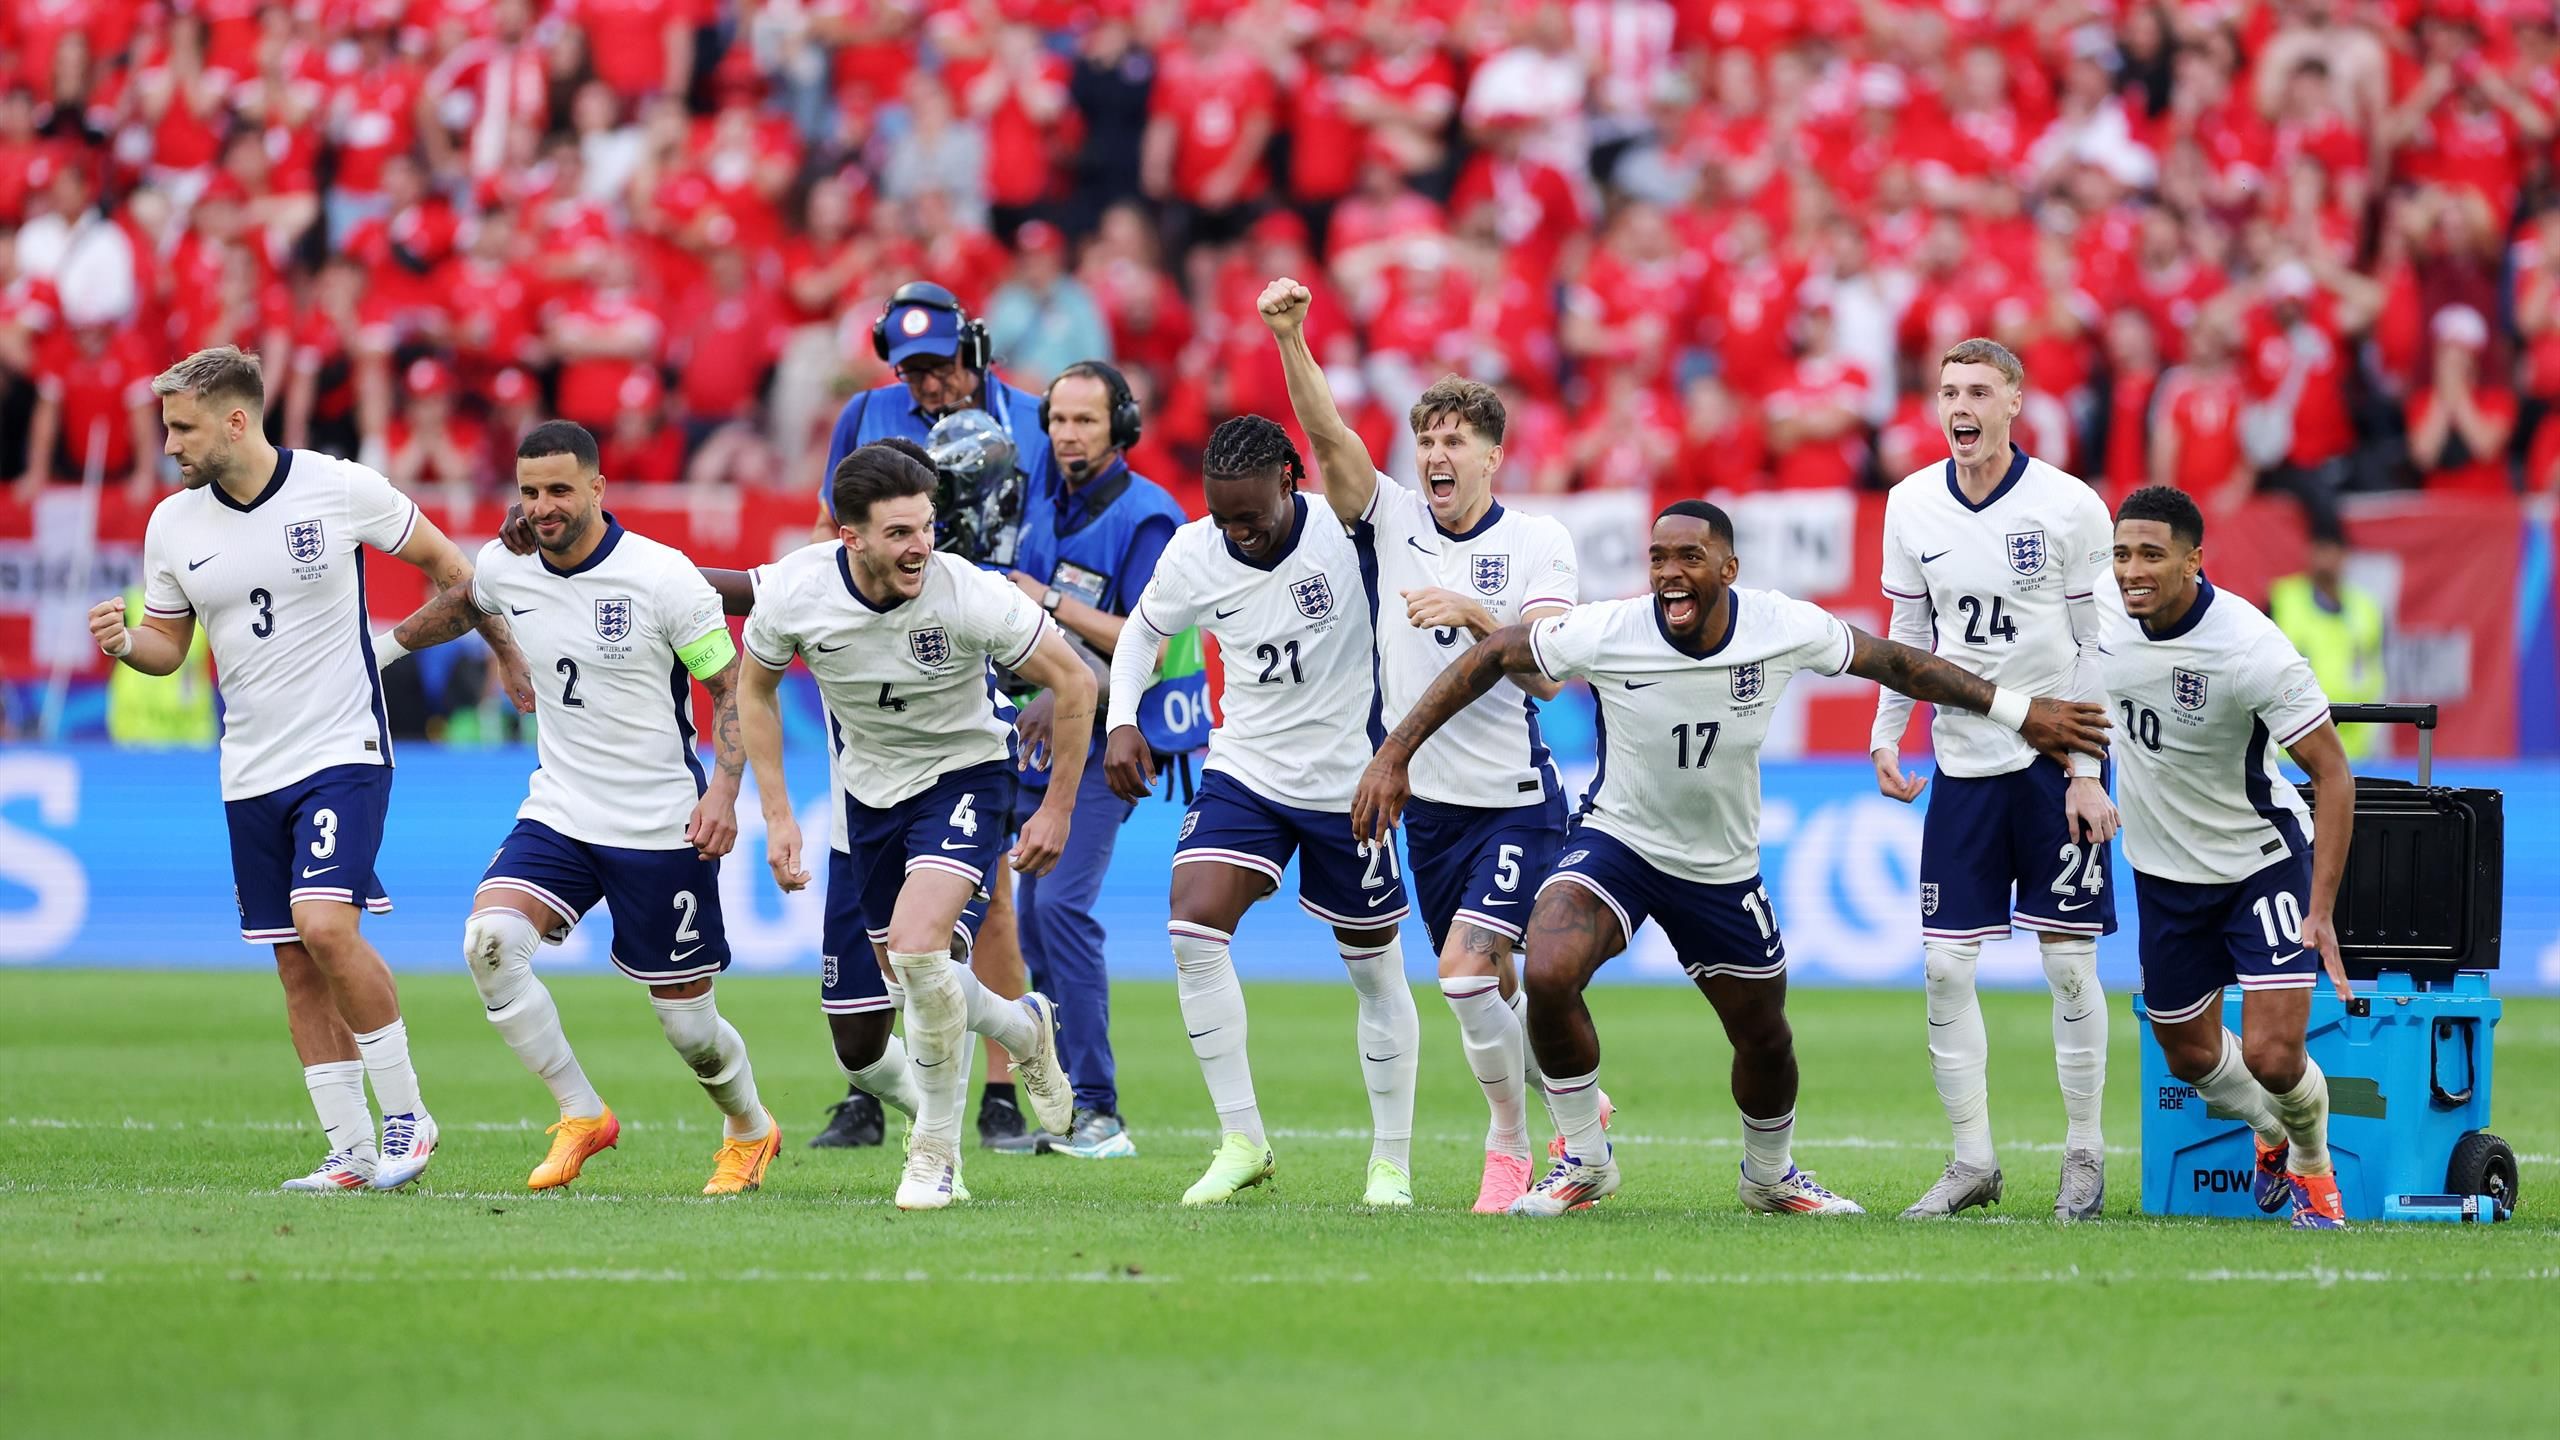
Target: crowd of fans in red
x: 1700, y: 244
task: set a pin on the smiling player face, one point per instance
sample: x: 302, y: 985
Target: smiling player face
x: 1975, y: 405
x: 561, y: 500
x: 1254, y: 511
x: 1456, y: 465
x: 1690, y: 569
x: 2155, y: 570
x: 892, y: 546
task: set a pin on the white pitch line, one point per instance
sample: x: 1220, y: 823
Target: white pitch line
x: 2320, y: 1277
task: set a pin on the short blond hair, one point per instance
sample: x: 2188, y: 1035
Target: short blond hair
x: 1476, y: 404
x: 1981, y: 350
x: 223, y: 373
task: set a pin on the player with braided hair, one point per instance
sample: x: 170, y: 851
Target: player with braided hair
x: 1290, y: 597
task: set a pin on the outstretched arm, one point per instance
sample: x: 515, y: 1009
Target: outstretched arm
x: 1379, y: 802
x: 2333, y: 825
x: 2056, y: 727
x: 1349, y: 478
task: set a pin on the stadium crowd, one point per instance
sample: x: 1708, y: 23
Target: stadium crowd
x: 1698, y: 244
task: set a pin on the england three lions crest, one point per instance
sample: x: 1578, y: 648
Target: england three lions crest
x: 1928, y: 900
x: 2026, y: 552
x: 930, y: 646
x: 1490, y: 573
x: 304, y: 540
x: 613, y: 620
x: 1747, y: 681
x: 1314, y: 596
x: 2187, y: 688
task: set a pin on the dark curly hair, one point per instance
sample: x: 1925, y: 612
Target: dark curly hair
x: 882, y: 470
x: 1247, y: 446
x: 2169, y: 506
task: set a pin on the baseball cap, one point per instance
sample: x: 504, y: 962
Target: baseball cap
x: 921, y: 329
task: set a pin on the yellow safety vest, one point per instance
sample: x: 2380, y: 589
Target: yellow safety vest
x: 173, y: 711
x: 2344, y: 647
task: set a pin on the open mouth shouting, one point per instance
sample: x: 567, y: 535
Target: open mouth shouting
x: 1965, y: 438
x: 1679, y: 607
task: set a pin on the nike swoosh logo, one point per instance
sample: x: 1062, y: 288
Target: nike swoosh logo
x: 924, y: 1064
x: 963, y: 845
x: 323, y: 870
x: 1489, y: 902
x: 683, y: 955
x: 1416, y: 544
x: 1940, y: 1024
x: 2075, y: 1019
x: 2066, y: 907
x: 831, y: 649
x: 200, y: 564
x: 1772, y: 950
x: 514, y: 611
x: 1647, y: 685
x: 1212, y: 1030
x: 2276, y: 959
x: 1925, y: 559
x: 1225, y: 614
x: 1378, y: 1059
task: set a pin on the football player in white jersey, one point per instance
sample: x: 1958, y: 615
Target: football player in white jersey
x: 1687, y: 679
x: 1288, y: 595
x: 899, y: 636
x: 1993, y: 560
x: 266, y: 548
x: 619, y: 810
x: 2232, y: 885
x: 1488, y: 809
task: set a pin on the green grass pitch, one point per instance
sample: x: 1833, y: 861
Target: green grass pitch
x: 153, y: 1282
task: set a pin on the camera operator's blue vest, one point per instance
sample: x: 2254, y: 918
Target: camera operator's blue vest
x: 1083, y: 555
x: 889, y: 412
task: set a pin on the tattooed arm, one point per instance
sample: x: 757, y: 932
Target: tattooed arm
x: 1383, y: 789
x: 714, y: 826
x: 2059, y: 728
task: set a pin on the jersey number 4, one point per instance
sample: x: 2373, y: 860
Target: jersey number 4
x: 2001, y: 625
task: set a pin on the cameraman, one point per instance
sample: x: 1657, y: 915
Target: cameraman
x: 943, y: 365
x: 1091, y: 534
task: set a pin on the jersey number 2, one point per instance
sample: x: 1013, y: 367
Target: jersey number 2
x: 568, y: 670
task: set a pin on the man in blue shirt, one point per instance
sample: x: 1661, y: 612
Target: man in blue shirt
x: 944, y: 364
x: 1091, y: 535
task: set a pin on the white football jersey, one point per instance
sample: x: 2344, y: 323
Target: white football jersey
x: 278, y: 585
x: 1490, y: 755
x: 607, y: 643
x: 2202, y: 710
x: 907, y: 690
x: 1679, y: 776
x: 1998, y: 578
x: 1297, y: 635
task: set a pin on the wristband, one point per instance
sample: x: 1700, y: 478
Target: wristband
x: 387, y: 648
x: 124, y: 647
x: 2009, y: 707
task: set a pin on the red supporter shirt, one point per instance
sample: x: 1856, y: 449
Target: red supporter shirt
x: 655, y: 458
x: 491, y: 309
x: 1325, y: 143
x: 1210, y: 100
x: 323, y: 347
x: 1534, y: 208
x: 627, y: 40
x: 1819, y: 383
x: 589, y: 389
x: 40, y: 26
x: 1747, y: 310
x: 2477, y: 150
x: 1911, y: 438
x: 722, y: 346
x: 2322, y: 430
x: 1734, y: 457
x: 2481, y: 474
x: 2128, y: 431
x: 2202, y: 409
x: 1629, y: 444
x: 231, y: 34
x: 100, y: 388
x: 1021, y: 151
x: 184, y: 138
x: 372, y: 118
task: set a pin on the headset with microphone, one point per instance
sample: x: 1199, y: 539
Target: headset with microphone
x: 971, y: 351
x: 1125, y: 418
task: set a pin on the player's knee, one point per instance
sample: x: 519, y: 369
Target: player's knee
x: 1763, y: 1037
x: 328, y: 931
x: 2070, y: 965
x: 1473, y: 950
x: 693, y: 1028
x: 498, y: 946
x: 1949, y: 964
x: 1198, y: 950
x: 2276, y: 1061
x: 1551, y: 978
x: 861, y: 1038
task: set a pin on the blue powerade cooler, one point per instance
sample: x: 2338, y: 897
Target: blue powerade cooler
x: 2409, y: 1059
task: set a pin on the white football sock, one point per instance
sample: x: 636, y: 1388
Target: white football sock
x: 1574, y: 1101
x: 1390, y: 1042
x: 337, y: 1097
x: 386, y: 1064
x: 1959, y: 1052
x: 498, y: 944
x: 938, y: 1043
x: 1768, y: 1148
x: 1004, y: 1021
x: 2079, y: 1038
x: 1529, y: 1072
x: 718, y: 1055
x: 889, y: 1079
x: 1213, y: 1015
x: 2305, y: 1112
x: 1490, y: 1034
x: 2230, y: 1085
